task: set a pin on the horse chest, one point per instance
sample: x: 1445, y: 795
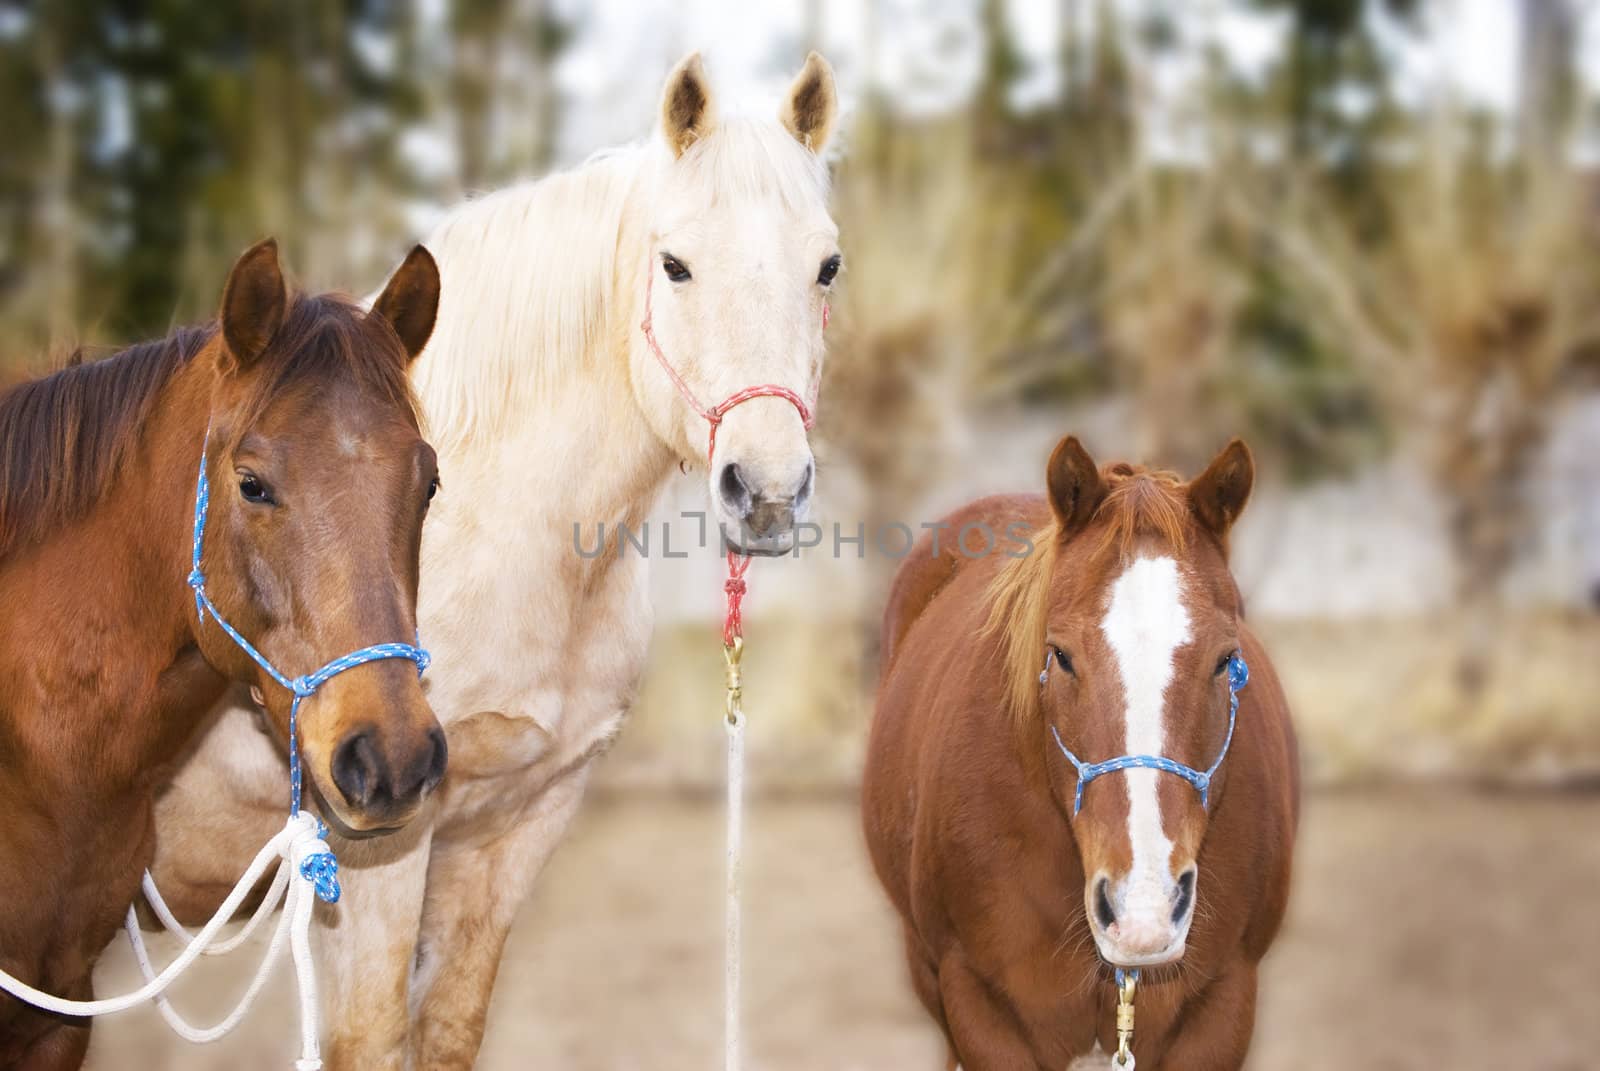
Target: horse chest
x: 82, y: 870
x: 524, y: 702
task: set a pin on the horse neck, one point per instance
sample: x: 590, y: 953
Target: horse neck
x: 110, y: 588
x: 582, y: 450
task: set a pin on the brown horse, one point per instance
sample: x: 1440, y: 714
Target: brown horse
x: 1017, y: 905
x: 319, y: 483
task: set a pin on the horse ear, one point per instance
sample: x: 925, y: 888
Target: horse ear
x: 687, y: 110
x: 411, y: 300
x: 253, y: 302
x: 1076, y: 488
x: 812, y: 104
x: 1217, y: 496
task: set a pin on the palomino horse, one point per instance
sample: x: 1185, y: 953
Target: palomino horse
x: 550, y: 408
x: 1018, y: 905
x: 319, y: 483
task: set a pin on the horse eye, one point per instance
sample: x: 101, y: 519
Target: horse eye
x: 830, y: 270
x: 433, y: 488
x: 674, y: 269
x: 1065, y: 661
x: 1222, y: 664
x: 253, y: 490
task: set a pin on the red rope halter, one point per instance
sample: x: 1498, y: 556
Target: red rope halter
x: 738, y: 563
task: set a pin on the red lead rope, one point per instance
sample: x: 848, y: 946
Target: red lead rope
x: 738, y: 564
x: 733, y: 620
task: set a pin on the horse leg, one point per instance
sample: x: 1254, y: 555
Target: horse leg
x: 925, y: 981
x: 983, y: 1032
x: 1214, y: 1031
x: 368, y: 947
x: 474, y: 890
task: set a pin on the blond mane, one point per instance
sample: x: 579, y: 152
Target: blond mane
x: 1139, y: 503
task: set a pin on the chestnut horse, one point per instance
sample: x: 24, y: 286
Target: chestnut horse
x: 1019, y: 906
x: 319, y: 483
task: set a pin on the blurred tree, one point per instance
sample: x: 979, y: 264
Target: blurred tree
x: 503, y: 96
x: 1546, y: 75
x: 155, y: 140
x: 1332, y: 85
x: 1471, y: 307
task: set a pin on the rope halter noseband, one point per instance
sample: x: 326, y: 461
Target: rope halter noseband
x: 713, y: 414
x: 319, y: 867
x: 1238, y: 677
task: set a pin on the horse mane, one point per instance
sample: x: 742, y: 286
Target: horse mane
x: 532, y: 268
x: 64, y: 437
x: 1139, y: 502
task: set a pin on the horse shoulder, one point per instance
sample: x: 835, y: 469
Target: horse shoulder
x: 1276, y: 820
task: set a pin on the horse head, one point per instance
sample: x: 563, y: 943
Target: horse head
x: 319, y: 481
x: 1141, y: 661
x: 741, y: 257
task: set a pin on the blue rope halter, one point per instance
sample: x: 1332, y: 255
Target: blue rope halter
x: 1238, y: 677
x: 321, y: 869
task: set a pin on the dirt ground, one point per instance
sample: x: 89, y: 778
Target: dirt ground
x: 1430, y: 929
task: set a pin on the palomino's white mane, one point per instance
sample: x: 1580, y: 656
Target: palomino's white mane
x: 529, y: 272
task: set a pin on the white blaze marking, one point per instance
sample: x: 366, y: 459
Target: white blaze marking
x: 1145, y: 625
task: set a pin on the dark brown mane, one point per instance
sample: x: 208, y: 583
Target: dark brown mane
x: 1139, y: 502
x: 65, y: 436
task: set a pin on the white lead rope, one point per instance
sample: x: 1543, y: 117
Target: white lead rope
x: 298, y: 840
x: 735, y: 879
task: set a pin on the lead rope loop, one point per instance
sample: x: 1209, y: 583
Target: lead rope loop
x: 733, y: 722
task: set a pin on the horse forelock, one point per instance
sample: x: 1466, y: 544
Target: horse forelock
x: 1140, y: 504
x: 747, y: 159
x: 325, y: 340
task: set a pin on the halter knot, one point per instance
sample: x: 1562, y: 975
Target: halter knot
x: 313, y: 859
x: 303, y: 687
x: 322, y: 871
x: 196, y: 578
x: 734, y: 586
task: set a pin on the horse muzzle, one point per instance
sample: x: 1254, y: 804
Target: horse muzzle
x: 758, y: 516
x: 1141, y: 923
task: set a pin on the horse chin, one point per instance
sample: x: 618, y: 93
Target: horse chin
x: 1169, y: 955
x: 775, y: 545
x: 338, y: 823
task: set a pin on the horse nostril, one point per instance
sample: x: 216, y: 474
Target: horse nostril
x: 735, y: 492
x: 425, y: 768
x: 802, y: 494
x: 1102, y: 904
x: 1185, y: 896
x: 437, y: 761
x: 358, y: 768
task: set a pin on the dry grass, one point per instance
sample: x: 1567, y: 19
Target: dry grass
x: 1381, y: 699
x: 1374, y: 700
